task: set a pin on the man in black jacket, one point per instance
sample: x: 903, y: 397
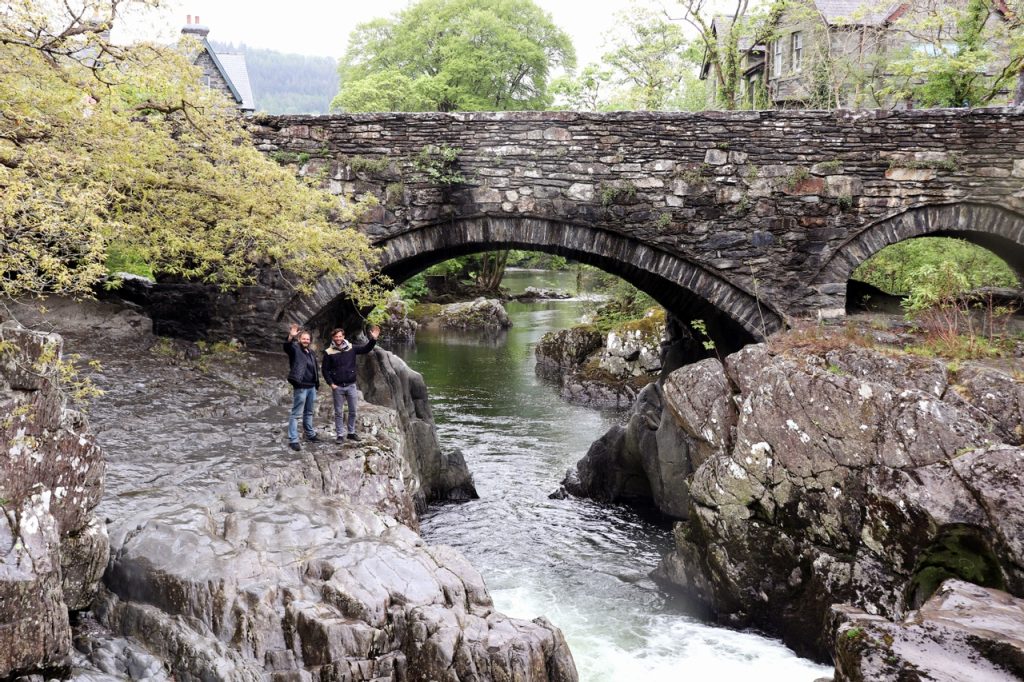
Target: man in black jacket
x: 305, y: 379
x: 340, y: 372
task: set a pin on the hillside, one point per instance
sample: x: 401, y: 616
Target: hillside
x: 288, y: 83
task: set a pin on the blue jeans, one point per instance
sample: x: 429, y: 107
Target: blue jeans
x: 303, y: 400
x: 344, y: 393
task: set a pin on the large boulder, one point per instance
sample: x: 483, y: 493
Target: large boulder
x: 605, y: 370
x: 481, y: 314
x: 813, y: 474
x: 566, y: 349
x: 963, y: 632
x: 297, y: 579
x: 52, y: 547
x: 388, y: 381
x: 236, y: 558
x: 852, y: 476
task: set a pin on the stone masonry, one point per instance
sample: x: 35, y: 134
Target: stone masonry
x: 755, y: 215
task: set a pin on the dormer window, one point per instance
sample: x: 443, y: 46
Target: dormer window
x: 796, y: 50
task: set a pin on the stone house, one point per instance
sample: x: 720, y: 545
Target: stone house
x: 751, y: 86
x: 222, y: 71
x: 834, y: 53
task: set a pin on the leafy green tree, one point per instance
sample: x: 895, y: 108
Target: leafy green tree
x: 650, y: 57
x: 650, y: 66
x: 104, y: 145
x: 957, y: 53
x: 589, y: 90
x: 454, y: 55
x: 721, y: 38
x: 893, y: 268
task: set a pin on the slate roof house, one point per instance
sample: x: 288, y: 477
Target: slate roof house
x: 222, y: 71
x: 827, y: 53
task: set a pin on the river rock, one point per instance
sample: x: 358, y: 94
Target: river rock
x: 480, y: 314
x: 541, y: 294
x: 963, y: 632
x: 235, y: 558
x: 567, y: 349
x: 52, y: 547
x: 397, y: 324
x: 846, y: 481
x: 387, y: 380
x: 815, y: 474
x: 291, y: 582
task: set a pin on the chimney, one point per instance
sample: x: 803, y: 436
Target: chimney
x: 194, y: 28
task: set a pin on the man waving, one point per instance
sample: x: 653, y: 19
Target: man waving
x: 339, y: 369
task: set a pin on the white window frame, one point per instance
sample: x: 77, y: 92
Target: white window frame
x: 796, y: 50
x: 777, y: 56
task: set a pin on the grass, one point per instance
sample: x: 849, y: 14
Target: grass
x: 124, y: 258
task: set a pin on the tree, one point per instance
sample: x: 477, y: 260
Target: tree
x: 104, y: 145
x: 454, y: 55
x: 651, y: 66
x: 586, y: 91
x: 650, y: 56
x: 964, y: 53
x: 721, y: 39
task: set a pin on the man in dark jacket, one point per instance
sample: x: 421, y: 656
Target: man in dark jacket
x: 305, y: 379
x: 340, y: 372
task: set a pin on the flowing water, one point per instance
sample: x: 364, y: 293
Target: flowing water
x: 582, y: 565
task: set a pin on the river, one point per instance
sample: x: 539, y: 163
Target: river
x: 582, y: 565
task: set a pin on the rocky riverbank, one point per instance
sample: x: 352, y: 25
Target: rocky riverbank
x: 234, y: 558
x: 823, y: 469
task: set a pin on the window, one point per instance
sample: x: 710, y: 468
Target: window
x: 796, y: 50
x: 777, y: 58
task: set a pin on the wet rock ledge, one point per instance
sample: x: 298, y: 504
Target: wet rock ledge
x: 233, y: 558
x: 814, y: 471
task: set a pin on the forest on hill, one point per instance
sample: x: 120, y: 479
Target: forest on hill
x: 285, y: 83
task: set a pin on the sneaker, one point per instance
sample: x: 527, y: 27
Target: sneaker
x: 354, y: 436
x: 312, y: 439
x: 339, y: 440
x: 294, y: 446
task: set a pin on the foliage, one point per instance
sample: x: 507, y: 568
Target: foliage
x: 650, y: 66
x: 625, y: 302
x: 439, y: 163
x: 706, y: 341
x: 413, y: 288
x: 454, y: 55
x: 123, y: 258
x: 940, y: 302
x: 617, y: 194
x: 288, y: 83
x: 102, y: 143
x: 537, y: 259
x: 893, y: 268
x: 932, y: 53
x: 726, y: 41
x: 960, y: 54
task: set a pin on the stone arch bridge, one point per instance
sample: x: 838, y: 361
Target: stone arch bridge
x: 749, y: 218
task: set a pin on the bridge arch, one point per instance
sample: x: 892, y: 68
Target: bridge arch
x: 995, y: 228
x: 683, y: 288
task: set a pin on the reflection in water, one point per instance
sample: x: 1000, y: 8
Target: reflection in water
x: 582, y: 565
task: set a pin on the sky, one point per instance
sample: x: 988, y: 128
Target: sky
x: 321, y: 27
